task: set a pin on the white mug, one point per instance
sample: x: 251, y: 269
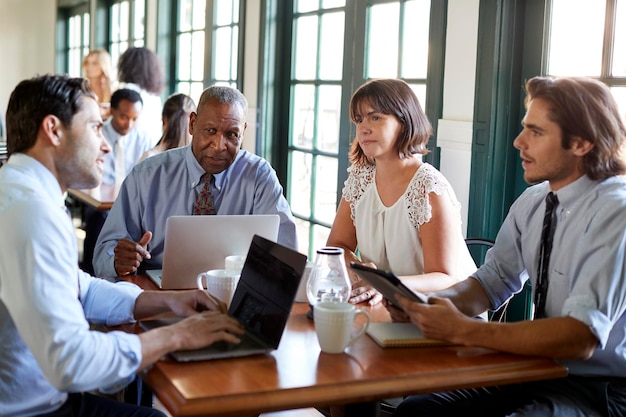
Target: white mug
x: 334, y: 323
x: 221, y: 283
x: 301, y: 294
x: 234, y: 262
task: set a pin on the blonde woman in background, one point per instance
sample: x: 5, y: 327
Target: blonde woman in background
x: 175, y: 115
x: 97, y: 69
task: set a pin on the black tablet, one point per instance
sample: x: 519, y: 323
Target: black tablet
x: 387, y: 283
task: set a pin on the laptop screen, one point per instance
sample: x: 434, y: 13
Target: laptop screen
x: 266, y: 290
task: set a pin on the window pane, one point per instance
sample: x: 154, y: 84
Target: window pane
x: 300, y: 184
x: 197, y: 56
x: 303, y: 116
x: 329, y: 108
x: 302, y: 230
x: 199, y: 14
x: 420, y: 92
x: 320, y: 236
x: 306, y: 47
x: 124, y: 21
x: 576, y: 37
x: 223, y: 12
x: 620, y: 96
x: 185, y: 13
x: 325, y: 189
x: 331, y: 49
x: 619, y: 57
x: 303, y: 6
x: 139, y: 18
x: 327, y: 4
x: 416, y: 21
x: 221, y: 53
x: 233, y: 56
x: 382, y: 40
x: 184, y: 51
x: 182, y: 87
x: 196, y: 91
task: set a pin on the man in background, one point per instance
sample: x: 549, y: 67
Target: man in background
x: 172, y: 183
x: 128, y: 144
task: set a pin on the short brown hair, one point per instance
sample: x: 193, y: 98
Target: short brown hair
x: 585, y: 108
x: 34, y: 99
x: 394, y: 97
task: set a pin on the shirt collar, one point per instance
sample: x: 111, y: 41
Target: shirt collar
x: 571, y: 193
x: 49, y: 183
x: 196, y: 171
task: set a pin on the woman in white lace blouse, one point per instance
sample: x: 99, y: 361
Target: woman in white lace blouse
x: 399, y: 212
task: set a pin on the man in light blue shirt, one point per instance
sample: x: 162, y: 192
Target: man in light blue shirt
x: 167, y: 184
x: 127, y: 145
x: 571, y: 147
x: 48, y: 353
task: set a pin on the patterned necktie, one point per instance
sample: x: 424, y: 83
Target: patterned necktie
x: 204, y: 201
x: 547, y: 235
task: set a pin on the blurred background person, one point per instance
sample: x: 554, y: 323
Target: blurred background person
x: 175, y: 116
x: 140, y: 69
x: 97, y: 69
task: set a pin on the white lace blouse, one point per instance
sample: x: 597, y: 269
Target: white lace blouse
x: 389, y: 236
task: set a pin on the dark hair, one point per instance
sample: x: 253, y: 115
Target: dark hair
x: 585, y: 108
x: 125, y: 94
x: 225, y: 95
x: 143, y: 67
x: 176, y: 110
x: 38, y: 97
x: 394, y: 97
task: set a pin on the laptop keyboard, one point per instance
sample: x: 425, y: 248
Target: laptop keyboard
x: 247, y: 341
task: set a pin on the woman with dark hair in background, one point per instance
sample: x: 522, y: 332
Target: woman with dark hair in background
x: 141, y: 70
x: 176, y: 111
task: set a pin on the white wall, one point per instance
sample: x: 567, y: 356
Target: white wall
x: 455, y: 127
x: 27, y: 42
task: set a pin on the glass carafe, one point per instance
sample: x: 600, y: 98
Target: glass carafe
x: 328, y: 280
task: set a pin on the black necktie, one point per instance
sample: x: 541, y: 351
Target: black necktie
x: 547, y: 234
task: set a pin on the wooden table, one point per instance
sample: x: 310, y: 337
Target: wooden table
x: 102, y: 199
x: 298, y: 375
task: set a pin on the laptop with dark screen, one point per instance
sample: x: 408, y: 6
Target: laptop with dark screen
x: 262, y: 302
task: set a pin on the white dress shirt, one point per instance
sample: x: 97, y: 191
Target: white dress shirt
x: 46, y: 302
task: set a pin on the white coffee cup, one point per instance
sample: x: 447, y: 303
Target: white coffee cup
x: 234, y: 262
x: 301, y: 294
x: 334, y: 324
x: 221, y: 283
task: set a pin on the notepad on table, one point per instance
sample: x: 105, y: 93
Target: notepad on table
x: 400, y: 335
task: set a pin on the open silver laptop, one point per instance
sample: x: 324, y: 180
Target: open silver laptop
x: 194, y: 244
x: 262, y: 302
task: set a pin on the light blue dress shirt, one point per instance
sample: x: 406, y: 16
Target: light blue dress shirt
x: 135, y: 143
x: 167, y: 184
x: 587, y: 275
x: 46, y: 346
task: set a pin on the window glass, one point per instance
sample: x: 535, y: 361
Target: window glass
x: 382, y: 40
x: 306, y: 42
x: 415, y: 32
x: 331, y: 46
x: 576, y: 37
x: 619, y: 57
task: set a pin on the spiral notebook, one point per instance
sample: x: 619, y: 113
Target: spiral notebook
x: 400, y: 335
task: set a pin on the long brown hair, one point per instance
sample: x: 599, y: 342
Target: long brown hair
x: 585, y: 108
